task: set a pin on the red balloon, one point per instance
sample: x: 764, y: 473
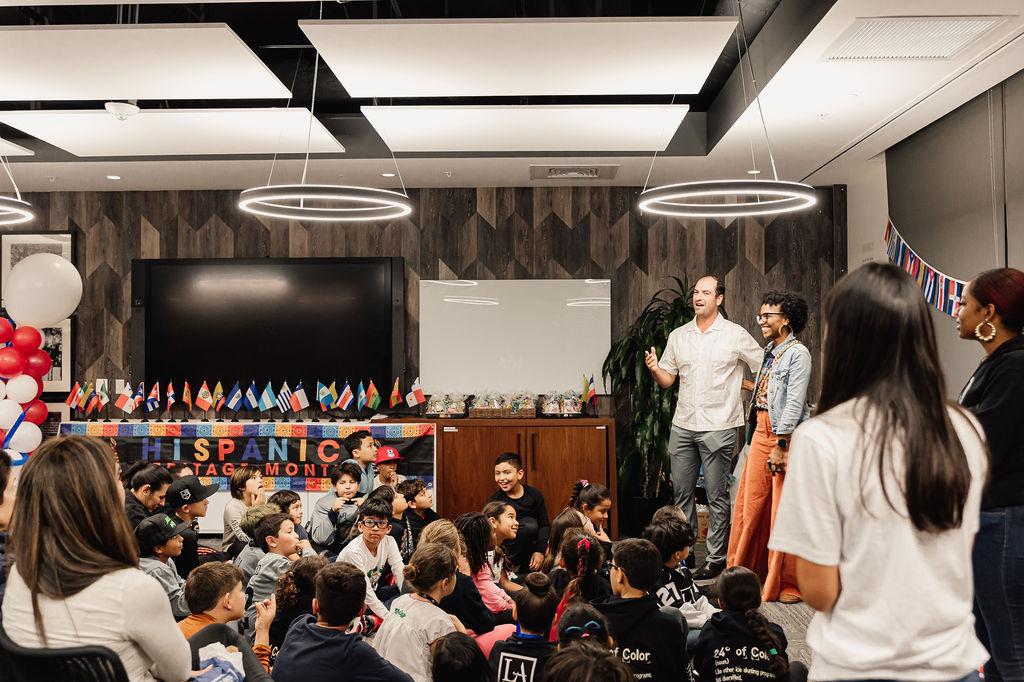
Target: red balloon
x: 10, y: 362
x: 39, y: 385
x: 27, y: 339
x: 6, y: 330
x: 37, y: 363
x: 36, y: 412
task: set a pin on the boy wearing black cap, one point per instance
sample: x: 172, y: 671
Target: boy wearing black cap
x: 187, y: 500
x: 159, y: 538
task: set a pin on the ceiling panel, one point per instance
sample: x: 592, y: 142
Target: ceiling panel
x: 144, y: 61
x: 11, y: 149
x: 176, y: 132
x: 480, y: 58
x: 609, y: 128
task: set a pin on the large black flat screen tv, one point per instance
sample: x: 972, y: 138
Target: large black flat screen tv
x: 287, y: 319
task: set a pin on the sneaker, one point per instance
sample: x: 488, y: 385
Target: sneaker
x: 709, y: 571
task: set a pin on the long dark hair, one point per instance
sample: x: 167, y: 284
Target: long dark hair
x: 880, y: 347
x: 65, y: 538
x: 586, y: 493
x: 476, y: 531
x: 143, y: 473
x: 739, y: 590
x: 559, y: 526
x: 583, y: 556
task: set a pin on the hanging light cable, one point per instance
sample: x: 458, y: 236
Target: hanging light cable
x: 324, y: 203
x: 14, y: 210
x: 731, y: 198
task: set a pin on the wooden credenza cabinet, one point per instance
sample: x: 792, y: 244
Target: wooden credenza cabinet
x: 555, y: 453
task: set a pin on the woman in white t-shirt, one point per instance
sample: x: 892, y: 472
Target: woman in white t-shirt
x: 882, y: 495
x: 75, y: 579
x: 416, y: 621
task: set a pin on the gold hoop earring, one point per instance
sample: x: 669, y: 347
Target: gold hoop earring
x: 988, y: 337
x: 786, y: 328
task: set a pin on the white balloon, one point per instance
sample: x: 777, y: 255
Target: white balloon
x: 3, y: 389
x: 10, y: 410
x: 27, y: 438
x: 17, y: 458
x: 22, y: 389
x: 42, y: 290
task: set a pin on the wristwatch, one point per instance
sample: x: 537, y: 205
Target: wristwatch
x: 783, y: 444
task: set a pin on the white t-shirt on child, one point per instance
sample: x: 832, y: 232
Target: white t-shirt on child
x: 905, y: 607
x: 372, y: 567
x: 405, y: 636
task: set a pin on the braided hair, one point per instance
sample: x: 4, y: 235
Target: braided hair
x: 583, y: 556
x: 740, y: 590
x: 477, y: 532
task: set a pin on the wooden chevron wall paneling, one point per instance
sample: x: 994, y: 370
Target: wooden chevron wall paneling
x: 472, y: 233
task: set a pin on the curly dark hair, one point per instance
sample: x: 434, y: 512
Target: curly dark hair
x: 298, y: 580
x: 793, y: 307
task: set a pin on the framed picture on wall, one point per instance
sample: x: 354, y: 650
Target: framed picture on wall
x: 57, y: 413
x: 57, y: 341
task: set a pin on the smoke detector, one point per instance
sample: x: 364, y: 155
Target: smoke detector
x: 588, y: 172
x: 121, y: 110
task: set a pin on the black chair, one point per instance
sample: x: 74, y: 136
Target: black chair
x: 76, y: 664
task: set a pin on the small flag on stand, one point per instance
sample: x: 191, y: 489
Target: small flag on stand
x: 252, y: 400
x: 360, y: 398
x: 140, y: 394
x: 298, y: 401
x: 171, y: 398
x: 284, y: 398
x: 592, y: 391
x: 103, y: 392
x: 346, y: 397
x: 153, y: 401
x: 203, y: 398
x: 267, y: 399
x: 333, y: 390
x: 586, y: 388
x: 83, y: 400
x: 74, y: 396
x: 415, y: 395
x: 234, y: 399
x: 396, y: 395
x: 323, y: 396
x: 125, y: 399
x: 218, y: 397
x: 372, y: 396
x: 92, y: 402
x: 186, y: 396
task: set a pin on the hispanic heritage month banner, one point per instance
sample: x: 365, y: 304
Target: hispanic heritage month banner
x: 940, y: 290
x: 292, y: 455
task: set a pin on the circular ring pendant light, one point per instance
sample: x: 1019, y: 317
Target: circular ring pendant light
x: 325, y: 203
x: 15, y: 211
x: 730, y: 198
x: 727, y: 198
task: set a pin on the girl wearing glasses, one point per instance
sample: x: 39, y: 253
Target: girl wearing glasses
x: 778, y: 406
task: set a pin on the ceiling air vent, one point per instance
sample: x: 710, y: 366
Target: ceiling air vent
x: 908, y: 38
x: 590, y: 172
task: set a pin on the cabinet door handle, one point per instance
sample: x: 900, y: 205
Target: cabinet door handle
x: 534, y: 454
x: 519, y: 443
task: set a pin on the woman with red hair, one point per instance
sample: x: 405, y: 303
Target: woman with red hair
x: 992, y: 313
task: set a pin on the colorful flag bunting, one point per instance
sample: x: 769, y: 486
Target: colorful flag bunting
x: 415, y: 395
x: 372, y: 396
x: 298, y: 401
x: 941, y: 291
x: 396, y: 394
x: 203, y: 398
x: 346, y: 397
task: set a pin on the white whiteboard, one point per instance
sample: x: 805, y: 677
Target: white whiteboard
x: 539, y: 335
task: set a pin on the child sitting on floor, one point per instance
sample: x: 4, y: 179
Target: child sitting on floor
x: 215, y: 594
x: 650, y: 642
x: 276, y: 536
x: 562, y: 523
x: 586, y: 662
x: 464, y: 602
x: 583, y: 623
x: 526, y: 550
x: 399, y: 528
x: 593, y: 503
x: 416, y: 621
x: 582, y: 552
x: 739, y: 643
x: 159, y: 539
x: 675, y: 587
x: 318, y: 647
x: 251, y: 554
x: 421, y: 503
x: 505, y: 527
x: 387, y: 467
x: 457, y: 658
x: 289, y: 502
x: 479, y: 538
x: 362, y: 451
x: 521, y: 657
x: 374, y: 552
x: 335, y: 513
x: 294, y: 595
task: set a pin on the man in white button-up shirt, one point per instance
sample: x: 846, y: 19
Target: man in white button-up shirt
x: 708, y: 354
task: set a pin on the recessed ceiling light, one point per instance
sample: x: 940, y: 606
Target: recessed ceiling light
x: 387, y: 175
x: 113, y: 177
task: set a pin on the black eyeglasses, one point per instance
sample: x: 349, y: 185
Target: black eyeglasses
x: 761, y: 317
x: 375, y: 523
x: 588, y: 627
x: 614, y: 565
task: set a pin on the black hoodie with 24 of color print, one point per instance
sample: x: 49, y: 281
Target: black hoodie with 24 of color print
x: 651, y: 643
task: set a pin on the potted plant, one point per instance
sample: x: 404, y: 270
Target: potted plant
x: 643, y: 409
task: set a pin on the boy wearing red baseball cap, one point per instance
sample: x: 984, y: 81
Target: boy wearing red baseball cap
x: 387, y: 467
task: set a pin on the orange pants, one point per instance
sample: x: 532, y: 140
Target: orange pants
x: 753, y: 515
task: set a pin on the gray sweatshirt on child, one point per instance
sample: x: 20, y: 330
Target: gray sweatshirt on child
x: 167, y: 576
x: 247, y: 560
x: 323, y: 523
